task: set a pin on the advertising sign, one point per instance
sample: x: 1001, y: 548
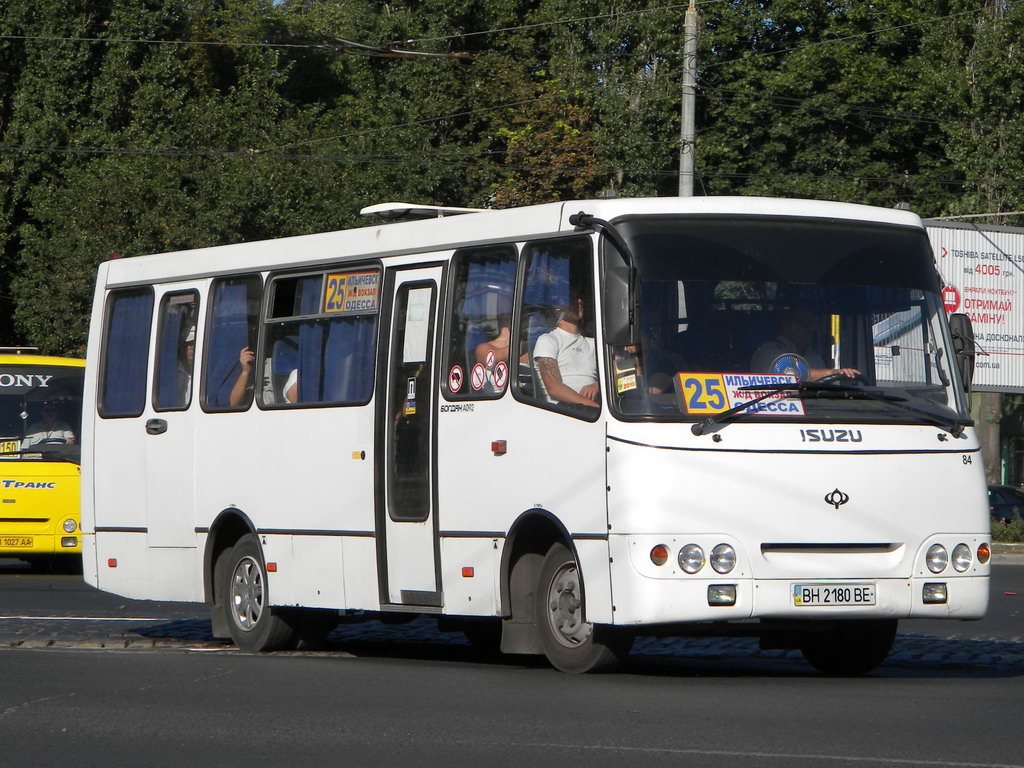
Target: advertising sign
x: 983, y: 271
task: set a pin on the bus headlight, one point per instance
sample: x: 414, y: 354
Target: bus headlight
x: 962, y: 557
x: 691, y: 558
x: 936, y: 558
x: 723, y: 558
x: 70, y: 526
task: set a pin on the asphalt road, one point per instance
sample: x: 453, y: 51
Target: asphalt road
x: 88, y: 678
x: 125, y: 707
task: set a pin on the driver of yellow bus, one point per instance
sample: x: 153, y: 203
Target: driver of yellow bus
x: 49, y: 429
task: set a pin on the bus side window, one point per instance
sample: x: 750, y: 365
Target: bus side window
x: 556, y: 327
x: 319, y: 338
x: 480, y: 327
x: 175, y: 351
x: 125, y: 356
x: 230, y: 344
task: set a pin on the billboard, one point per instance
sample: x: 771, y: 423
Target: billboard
x: 983, y: 272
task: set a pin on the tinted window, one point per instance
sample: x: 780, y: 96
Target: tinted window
x: 175, y: 351
x: 320, y: 335
x: 126, y: 353
x: 231, y: 342
x: 480, y: 328
x: 556, y: 327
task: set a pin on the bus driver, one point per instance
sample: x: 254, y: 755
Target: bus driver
x: 796, y: 329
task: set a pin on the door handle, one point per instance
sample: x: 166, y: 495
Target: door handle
x: 156, y: 427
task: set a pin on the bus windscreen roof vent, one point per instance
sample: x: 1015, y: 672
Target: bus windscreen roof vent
x: 407, y: 211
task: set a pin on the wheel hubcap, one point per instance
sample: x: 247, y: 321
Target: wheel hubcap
x: 565, y: 614
x: 247, y: 593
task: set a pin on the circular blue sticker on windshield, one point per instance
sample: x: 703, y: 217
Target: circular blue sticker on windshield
x: 792, y: 364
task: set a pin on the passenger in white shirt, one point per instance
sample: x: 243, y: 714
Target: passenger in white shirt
x: 567, y: 360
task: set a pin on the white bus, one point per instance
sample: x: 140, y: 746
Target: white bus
x: 556, y: 427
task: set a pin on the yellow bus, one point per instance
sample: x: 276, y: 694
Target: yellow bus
x: 40, y: 420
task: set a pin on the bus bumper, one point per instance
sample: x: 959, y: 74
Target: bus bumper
x: 649, y: 594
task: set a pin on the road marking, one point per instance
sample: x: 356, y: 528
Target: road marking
x: 77, y: 618
x: 788, y: 756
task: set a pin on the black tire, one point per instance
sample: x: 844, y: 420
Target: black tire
x: 851, y: 648
x: 253, y: 623
x: 570, y: 643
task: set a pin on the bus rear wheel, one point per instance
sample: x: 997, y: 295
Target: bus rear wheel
x: 850, y: 648
x: 253, y: 623
x: 570, y: 643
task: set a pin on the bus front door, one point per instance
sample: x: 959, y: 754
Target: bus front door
x: 408, y: 548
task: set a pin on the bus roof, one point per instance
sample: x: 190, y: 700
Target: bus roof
x: 442, y: 233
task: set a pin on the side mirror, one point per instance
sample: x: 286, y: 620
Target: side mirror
x: 615, y: 303
x: 963, y: 346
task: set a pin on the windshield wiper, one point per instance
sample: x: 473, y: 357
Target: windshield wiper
x: 833, y: 389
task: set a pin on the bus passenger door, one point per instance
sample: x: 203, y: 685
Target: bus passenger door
x: 170, y: 423
x: 408, y: 549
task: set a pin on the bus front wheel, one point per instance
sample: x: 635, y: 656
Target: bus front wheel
x: 570, y: 643
x: 253, y: 623
x: 850, y: 648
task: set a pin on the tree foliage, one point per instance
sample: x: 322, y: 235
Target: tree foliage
x: 132, y: 128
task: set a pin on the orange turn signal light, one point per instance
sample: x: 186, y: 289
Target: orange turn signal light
x: 984, y: 553
x: 659, y: 555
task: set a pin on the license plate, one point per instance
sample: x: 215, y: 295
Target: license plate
x: 833, y: 594
x: 17, y: 542
x: 8, y: 447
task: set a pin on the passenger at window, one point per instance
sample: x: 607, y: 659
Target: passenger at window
x: 291, y: 387
x: 498, y: 345
x: 567, y: 360
x: 49, y: 429
x: 490, y: 353
x: 796, y: 332
x: 240, y: 389
x: 186, y: 366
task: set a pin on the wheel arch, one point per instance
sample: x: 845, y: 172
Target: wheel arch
x: 228, y: 527
x: 533, y: 532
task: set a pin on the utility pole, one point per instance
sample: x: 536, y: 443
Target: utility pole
x: 687, y: 133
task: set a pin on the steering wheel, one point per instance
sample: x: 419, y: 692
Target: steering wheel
x: 52, y: 441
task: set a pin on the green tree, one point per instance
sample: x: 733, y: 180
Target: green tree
x: 977, y: 95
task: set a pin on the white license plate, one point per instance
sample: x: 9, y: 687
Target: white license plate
x: 833, y: 594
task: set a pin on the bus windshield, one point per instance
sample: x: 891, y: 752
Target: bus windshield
x: 847, y: 312
x: 40, y: 412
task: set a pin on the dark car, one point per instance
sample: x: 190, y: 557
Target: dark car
x: 1005, y: 504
